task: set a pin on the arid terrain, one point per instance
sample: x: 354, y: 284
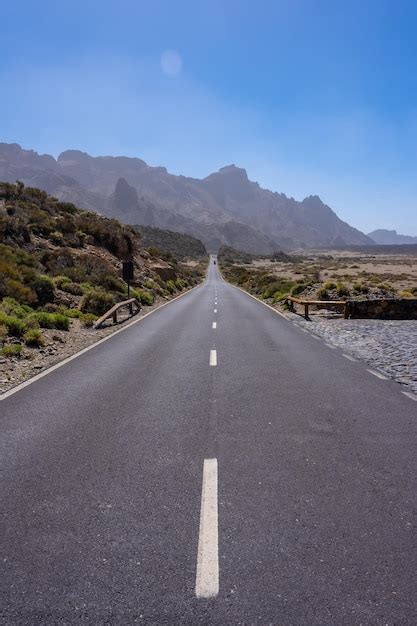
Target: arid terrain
x: 324, y: 275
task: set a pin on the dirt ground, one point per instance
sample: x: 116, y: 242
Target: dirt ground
x: 399, y: 271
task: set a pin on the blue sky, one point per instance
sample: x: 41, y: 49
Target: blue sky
x: 310, y: 96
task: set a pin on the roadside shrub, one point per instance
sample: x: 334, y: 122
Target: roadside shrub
x: 10, y: 306
x: 3, y: 333
x: 96, y: 301
x: 297, y: 289
x: 406, y: 294
x: 12, y: 349
x: 71, y: 313
x: 145, y: 297
x: 88, y: 319
x: 33, y: 338
x: 52, y: 320
x: 15, y: 326
x: 386, y: 287
x: 43, y: 286
x: 112, y: 283
x: 170, y: 285
x: 180, y: 284
x: 322, y: 294
x: 329, y: 285
x: 342, y: 290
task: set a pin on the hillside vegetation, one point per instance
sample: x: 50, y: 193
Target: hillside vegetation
x: 59, y: 263
x: 179, y: 245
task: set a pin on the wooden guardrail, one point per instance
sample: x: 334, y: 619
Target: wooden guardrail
x: 113, y: 311
x: 320, y: 303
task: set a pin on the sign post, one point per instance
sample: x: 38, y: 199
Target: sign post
x: 127, y: 273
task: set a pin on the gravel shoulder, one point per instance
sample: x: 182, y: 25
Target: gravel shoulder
x: 388, y: 346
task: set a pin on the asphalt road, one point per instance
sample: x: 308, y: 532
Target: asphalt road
x: 307, y: 514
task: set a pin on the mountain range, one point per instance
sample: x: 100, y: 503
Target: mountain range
x: 225, y: 208
x: 385, y: 237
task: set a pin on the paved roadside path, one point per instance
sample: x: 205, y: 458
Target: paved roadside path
x: 211, y: 464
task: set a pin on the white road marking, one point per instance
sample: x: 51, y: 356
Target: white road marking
x: 213, y: 357
x: 51, y: 369
x: 214, y: 325
x: 329, y: 345
x: 315, y: 337
x: 207, y: 576
x: 412, y: 396
x: 304, y: 330
x: 347, y: 356
x: 377, y: 374
x: 215, y: 310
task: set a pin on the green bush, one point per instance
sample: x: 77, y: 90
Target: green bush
x: 145, y: 297
x: 96, y: 301
x: 329, y: 285
x: 33, y: 338
x: 12, y: 349
x: 59, y: 281
x: 22, y: 293
x: 386, y: 287
x: 43, y: 286
x: 52, y: 320
x: 3, y: 333
x: 10, y: 306
x: 342, y: 290
x: 170, y: 286
x: 15, y: 326
x: 297, y: 289
x: 322, y: 294
x: 88, y: 319
x: 180, y: 284
x: 73, y: 288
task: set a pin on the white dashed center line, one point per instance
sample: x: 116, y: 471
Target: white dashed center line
x: 213, y: 357
x: 215, y: 310
x: 214, y: 325
x: 207, y: 576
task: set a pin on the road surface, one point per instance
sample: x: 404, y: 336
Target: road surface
x: 211, y: 464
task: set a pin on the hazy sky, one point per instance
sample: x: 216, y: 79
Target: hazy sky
x: 310, y: 96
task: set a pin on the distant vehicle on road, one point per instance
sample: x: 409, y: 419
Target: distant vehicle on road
x: 214, y: 262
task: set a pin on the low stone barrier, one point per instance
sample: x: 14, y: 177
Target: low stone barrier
x: 388, y: 309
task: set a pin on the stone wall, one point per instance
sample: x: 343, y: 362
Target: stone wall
x: 388, y: 309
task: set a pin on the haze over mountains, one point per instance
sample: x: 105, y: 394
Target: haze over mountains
x: 223, y: 208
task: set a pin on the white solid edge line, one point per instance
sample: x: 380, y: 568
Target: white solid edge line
x: 207, y: 575
x: 377, y: 374
x: 347, y: 356
x: 410, y: 395
x: 214, y: 325
x: 51, y: 369
x: 329, y: 345
x: 213, y: 358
